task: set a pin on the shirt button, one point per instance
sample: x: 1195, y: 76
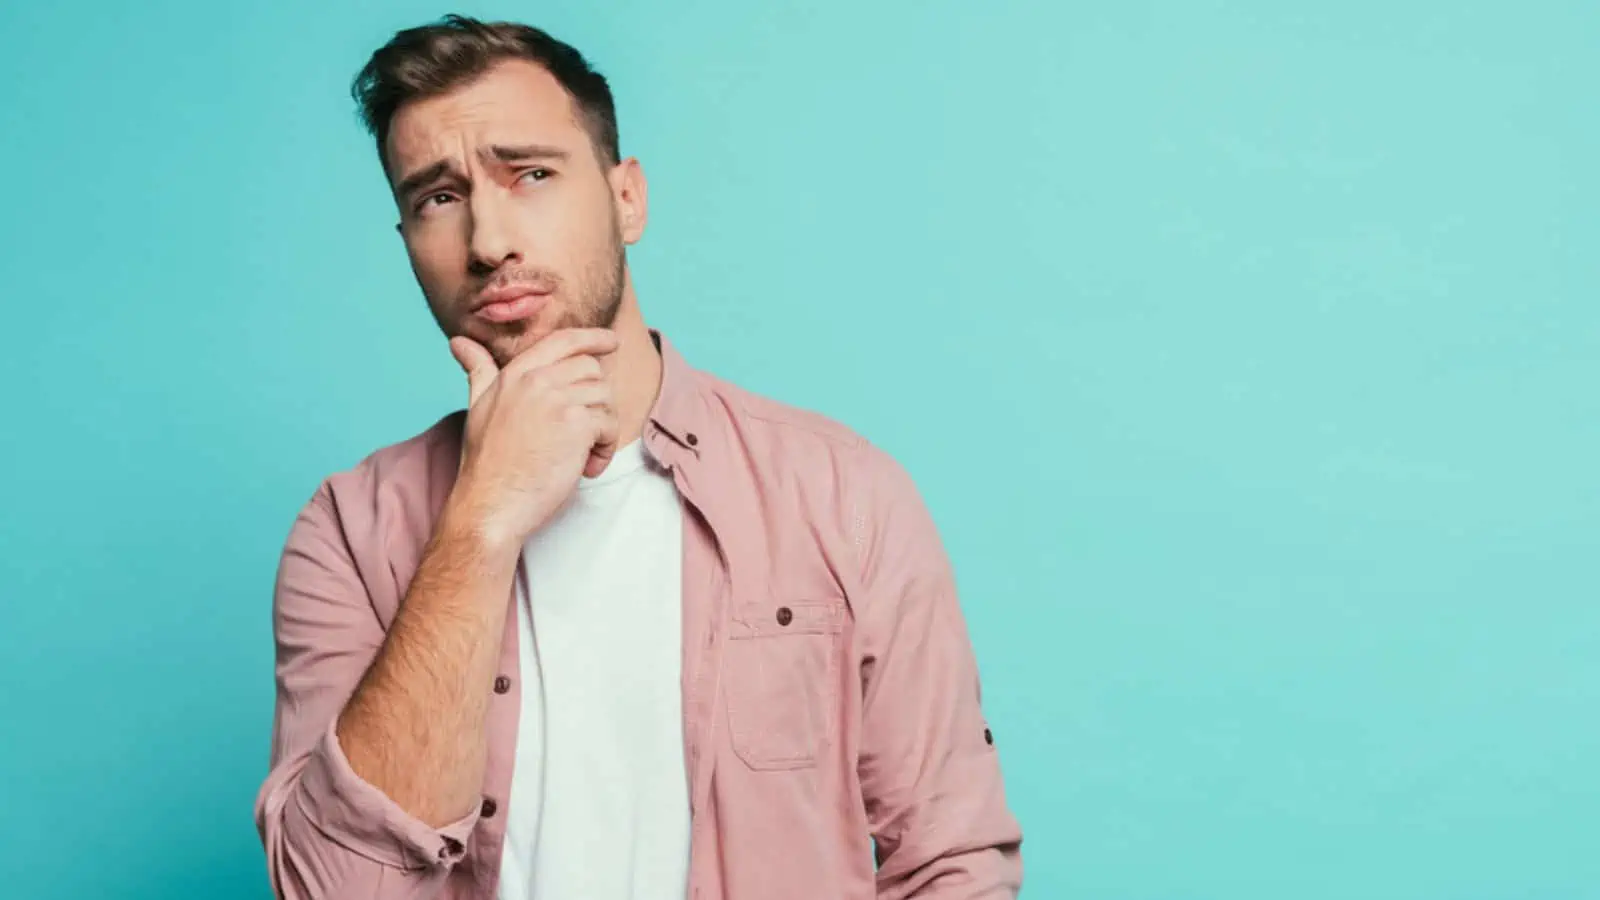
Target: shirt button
x: 785, y: 615
x: 502, y: 684
x: 988, y: 736
x: 691, y: 439
x: 489, y: 807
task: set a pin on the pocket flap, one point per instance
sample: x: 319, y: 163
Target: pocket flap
x: 780, y: 617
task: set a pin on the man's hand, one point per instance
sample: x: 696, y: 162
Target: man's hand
x: 532, y: 429
x: 415, y: 726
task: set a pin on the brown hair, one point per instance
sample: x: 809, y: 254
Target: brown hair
x: 430, y: 60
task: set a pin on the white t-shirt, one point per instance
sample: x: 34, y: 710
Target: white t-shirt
x: 599, y: 806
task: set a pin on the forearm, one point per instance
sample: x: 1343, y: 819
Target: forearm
x: 929, y: 772
x: 415, y: 726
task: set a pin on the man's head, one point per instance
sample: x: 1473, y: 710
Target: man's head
x: 499, y: 143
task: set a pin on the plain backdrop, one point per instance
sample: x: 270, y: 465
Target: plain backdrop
x: 1246, y: 354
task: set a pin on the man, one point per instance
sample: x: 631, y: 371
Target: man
x: 619, y: 630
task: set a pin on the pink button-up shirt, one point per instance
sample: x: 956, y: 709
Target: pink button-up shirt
x: 829, y: 688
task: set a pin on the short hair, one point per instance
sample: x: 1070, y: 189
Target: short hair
x: 434, y: 59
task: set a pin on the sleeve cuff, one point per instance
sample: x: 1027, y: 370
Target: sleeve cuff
x: 366, y: 821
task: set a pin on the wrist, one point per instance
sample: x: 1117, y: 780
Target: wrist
x: 464, y: 525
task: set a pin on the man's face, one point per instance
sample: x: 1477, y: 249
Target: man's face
x: 499, y: 189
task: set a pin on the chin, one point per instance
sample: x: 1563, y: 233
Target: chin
x: 505, y: 348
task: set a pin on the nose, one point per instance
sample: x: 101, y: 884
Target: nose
x: 493, y: 242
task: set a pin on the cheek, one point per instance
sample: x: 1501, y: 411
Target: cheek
x: 591, y: 242
x: 544, y: 227
x: 436, y: 265
x: 571, y: 228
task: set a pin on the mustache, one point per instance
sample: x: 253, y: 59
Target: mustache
x: 539, y: 280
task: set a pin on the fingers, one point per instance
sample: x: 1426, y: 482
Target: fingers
x: 569, y: 371
x: 565, y: 367
x: 477, y: 363
x: 558, y: 345
x: 598, y: 461
x: 605, y: 444
x: 594, y: 397
x: 587, y: 393
x: 582, y: 347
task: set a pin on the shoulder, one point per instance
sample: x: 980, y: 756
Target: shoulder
x: 818, y: 451
x: 401, y: 476
x: 801, y: 430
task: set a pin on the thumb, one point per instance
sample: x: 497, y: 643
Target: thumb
x: 477, y: 363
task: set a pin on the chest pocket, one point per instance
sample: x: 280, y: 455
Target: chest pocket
x: 780, y: 680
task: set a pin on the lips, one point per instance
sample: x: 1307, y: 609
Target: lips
x: 510, y: 304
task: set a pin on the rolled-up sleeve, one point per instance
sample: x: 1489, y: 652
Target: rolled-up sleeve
x: 327, y: 832
x: 929, y: 770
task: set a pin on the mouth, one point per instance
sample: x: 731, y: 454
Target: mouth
x: 510, y: 304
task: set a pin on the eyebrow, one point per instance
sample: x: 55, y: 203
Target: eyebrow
x: 505, y: 153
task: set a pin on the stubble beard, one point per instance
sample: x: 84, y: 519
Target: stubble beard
x: 595, y: 304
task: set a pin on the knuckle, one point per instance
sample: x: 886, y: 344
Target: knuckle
x: 520, y: 365
x: 540, y: 380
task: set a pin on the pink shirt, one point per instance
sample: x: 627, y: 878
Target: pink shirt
x: 829, y: 687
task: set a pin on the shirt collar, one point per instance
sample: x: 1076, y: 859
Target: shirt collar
x: 678, y: 415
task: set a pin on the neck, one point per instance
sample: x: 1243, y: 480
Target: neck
x: 635, y: 368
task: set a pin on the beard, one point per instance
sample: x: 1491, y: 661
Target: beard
x: 599, y: 293
x: 592, y: 300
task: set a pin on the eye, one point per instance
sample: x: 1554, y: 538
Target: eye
x: 424, y: 203
x: 540, y: 171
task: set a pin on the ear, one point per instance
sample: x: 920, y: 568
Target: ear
x: 630, y: 193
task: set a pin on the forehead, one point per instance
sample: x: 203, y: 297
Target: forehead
x: 515, y: 102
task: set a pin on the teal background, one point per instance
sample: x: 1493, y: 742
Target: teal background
x: 1246, y: 354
